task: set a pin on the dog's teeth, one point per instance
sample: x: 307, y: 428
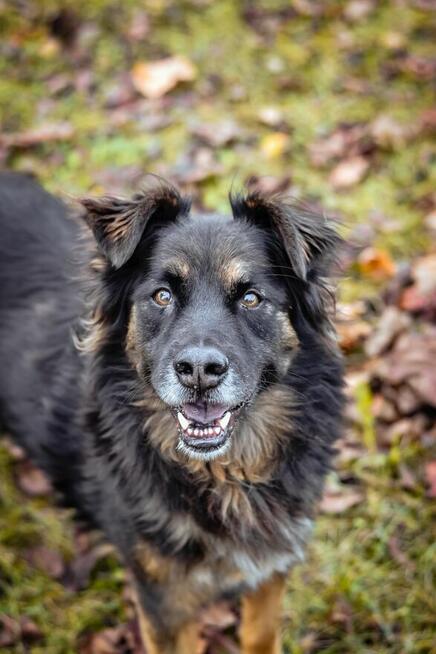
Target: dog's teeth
x: 224, y: 421
x: 210, y: 431
x: 217, y: 431
x: 189, y: 431
x: 196, y: 432
x: 182, y: 420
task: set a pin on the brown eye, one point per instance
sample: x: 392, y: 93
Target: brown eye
x: 251, y: 300
x: 162, y: 297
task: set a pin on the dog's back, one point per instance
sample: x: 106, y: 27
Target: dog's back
x: 38, y: 303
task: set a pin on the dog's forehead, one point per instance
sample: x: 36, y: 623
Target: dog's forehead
x: 202, y: 244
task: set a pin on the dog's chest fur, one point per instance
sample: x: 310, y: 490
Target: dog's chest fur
x: 226, y: 567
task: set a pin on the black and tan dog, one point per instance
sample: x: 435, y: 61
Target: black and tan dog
x: 184, y: 397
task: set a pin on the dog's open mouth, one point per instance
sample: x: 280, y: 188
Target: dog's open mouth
x: 205, y: 429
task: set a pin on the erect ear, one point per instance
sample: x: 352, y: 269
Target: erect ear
x: 306, y: 239
x: 119, y: 224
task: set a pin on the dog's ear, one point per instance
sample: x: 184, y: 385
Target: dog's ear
x: 306, y: 241
x: 118, y: 224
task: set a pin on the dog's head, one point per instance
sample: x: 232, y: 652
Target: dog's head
x: 215, y: 306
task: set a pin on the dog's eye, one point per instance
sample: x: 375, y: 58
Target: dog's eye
x: 251, y: 300
x: 162, y: 297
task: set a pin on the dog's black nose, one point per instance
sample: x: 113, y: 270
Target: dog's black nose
x: 202, y: 367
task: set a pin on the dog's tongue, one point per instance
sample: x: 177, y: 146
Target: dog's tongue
x: 204, y: 413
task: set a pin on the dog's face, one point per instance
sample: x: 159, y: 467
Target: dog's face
x: 211, y: 326
x: 218, y: 303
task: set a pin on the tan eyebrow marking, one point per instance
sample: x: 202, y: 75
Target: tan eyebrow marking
x: 233, y: 272
x: 179, y: 267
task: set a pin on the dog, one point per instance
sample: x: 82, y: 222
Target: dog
x: 178, y: 378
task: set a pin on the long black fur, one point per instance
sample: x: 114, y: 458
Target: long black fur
x: 80, y: 415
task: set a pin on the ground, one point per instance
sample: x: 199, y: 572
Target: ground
x: 330, y: 101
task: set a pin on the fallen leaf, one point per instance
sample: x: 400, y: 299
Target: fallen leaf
x: 424, y: 274
x: 139, y: 26
x: 376, y: 263
x: 274, y: 145
x: 422, y: 68
x: 349, y: 172
x: 406, y: 477
x: 30, y: 632
x: 196, y: 166
x: 356, y: 10
x: 383, y: 409
x: 347, y: 140
x: 46, y: 559
x: 154, y: 79
x: 398, y: 555
x: 268, y: 185
x: 391, y: 323
x: 217, y: 134
x: 44, y: 134
x: 340, y: 500
x: 10, y: 631
x: 352, y: 334
x: 411, y: 363
x: 80, y: 569
x: 407, y: 400
x: 407, y: 429
x: 122, y: 639
x: 32, y: 480
x: 389, y: 133
x: 16, y: 452
x: 430, y: 475
x: 430, y: 220
x: 342, y: 613
x: 308, y: 643
x: 13, y: 631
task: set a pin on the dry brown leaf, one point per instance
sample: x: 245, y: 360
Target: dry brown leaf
x: 356, y: 10
x: 82, y: 566
x: 340, y: 500
x: 349, y: 172
x: 389, y: 133
x: 345, y: 141
x: 217, y: 134
x: 376, y: 263
x: 398, y: 555
x: 430, y: 475
x: 268, y: 185
x: 32, y: 480
x: 113, y: 640
x: 383, y: 409
x: 421, y: 296
x: 391, y: 323
x: 154, y: 79
x: 44, y: 134
x: 46, y: 559
x: 411, y: 362
x: 12, y: 631
x: 352, y: 334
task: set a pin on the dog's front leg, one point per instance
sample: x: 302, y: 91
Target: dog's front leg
x: 183, y: 641
x: 261, y: 618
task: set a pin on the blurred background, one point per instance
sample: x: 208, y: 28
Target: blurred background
x: 327, y: 100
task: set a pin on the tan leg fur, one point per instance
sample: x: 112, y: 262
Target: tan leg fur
x: 185, y: 641
x: 261, y: 618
